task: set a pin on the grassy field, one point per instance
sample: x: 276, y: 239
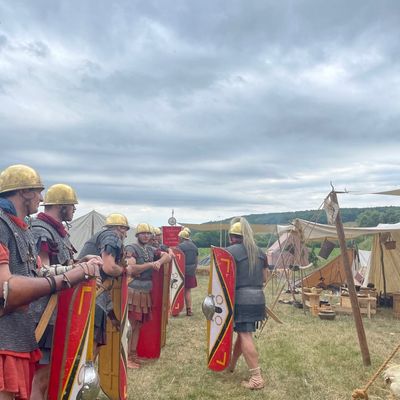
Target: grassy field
x: 305, y: 358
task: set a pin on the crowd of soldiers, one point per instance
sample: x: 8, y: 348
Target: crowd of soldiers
x: 37, y: 260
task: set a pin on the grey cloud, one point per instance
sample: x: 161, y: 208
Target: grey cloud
x: 207, y: 105
x: 38, y: 49
x: 3, y: 41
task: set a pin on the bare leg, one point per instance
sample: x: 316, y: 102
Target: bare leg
x: 248, y: 349
x: 237, y: 351
x: 132, y: 345
x: 188, y: 302
x: 251, y: 356
x: 40, y: 383
x: 136, y: 327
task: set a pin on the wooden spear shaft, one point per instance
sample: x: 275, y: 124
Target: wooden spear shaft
x: 350, y: 284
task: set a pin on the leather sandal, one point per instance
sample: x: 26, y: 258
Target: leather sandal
x: 254, y: 383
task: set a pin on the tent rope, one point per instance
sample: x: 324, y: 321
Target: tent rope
x: 362, y: 393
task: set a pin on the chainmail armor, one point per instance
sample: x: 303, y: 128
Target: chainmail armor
x: 17, y: 329
x: 144, y: 254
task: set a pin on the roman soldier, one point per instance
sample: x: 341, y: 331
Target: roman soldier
x: 148, y: 259
x: 251, y: 273
x: 108, y: 244
x: 20, y: 195
x: 191, y: 256
x: 52, y: 242
x: 157, y: 242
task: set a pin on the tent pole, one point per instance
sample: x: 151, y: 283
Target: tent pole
x: 350, y: 283
x: 302, y: 290
x: 383, y: 271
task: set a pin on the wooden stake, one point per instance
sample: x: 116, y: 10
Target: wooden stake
x: 350, y: 284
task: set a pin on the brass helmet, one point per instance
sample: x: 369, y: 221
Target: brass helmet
x: 117, y: 220
x: 187, y: 229
x: 143, y: 228
x: 236, y: 229
x: 18, y: 177
x: 60, y: 194
x: 157, y: 231
x: 184, y: 234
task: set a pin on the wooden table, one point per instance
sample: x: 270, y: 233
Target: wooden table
x: 312, y: 301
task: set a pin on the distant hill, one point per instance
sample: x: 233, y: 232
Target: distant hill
x: 370, y: 216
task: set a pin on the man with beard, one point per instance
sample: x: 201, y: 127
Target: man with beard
x: 108, y: 244
x: 148, y: 259
x: 54, y: 246
x: 20, y: 195
x: 251, y: 274
x: 191, y: 255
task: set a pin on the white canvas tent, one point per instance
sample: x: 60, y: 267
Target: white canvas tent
x: 361, y: 267
x: 384, y: 270
x: 83, y: 228
x: 287, y: 250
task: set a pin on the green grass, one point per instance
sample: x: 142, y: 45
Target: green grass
x: 305, y: 358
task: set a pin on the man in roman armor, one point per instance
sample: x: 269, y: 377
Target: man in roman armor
x: 108, y: 244
x: 251, y: 273
x: 158, y: 243
x: 148, y: 259
x: 54, y: 247
x: 191, y: 255
x: 20, y: 280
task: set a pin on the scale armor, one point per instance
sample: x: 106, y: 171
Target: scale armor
x: 98, y: 242
x: 44, y: 232
x: 249, y: 296
x: 96, y: 245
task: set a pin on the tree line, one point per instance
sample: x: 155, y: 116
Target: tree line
x: 363, y: 217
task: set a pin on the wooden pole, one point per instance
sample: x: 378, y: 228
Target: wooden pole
x: 383, y: 272
x: 350, y: 284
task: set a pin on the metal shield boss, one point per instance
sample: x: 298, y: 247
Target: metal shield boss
x: 209, y: 308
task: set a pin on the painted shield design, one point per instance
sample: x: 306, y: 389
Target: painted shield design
x: 72, y: 341
x: 220, y: 323
x: 177, y: 289
x: 150, y: 337
x: 113, y: 356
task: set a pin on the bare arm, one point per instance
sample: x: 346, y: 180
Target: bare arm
x: 165, y: 258
x: 110, y: 267
x: 17, y: 290
x: 137, y: 269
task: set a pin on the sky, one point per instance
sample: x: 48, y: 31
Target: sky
x: 209, y: 108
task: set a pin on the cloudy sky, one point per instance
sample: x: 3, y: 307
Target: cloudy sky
x: 211, y: 108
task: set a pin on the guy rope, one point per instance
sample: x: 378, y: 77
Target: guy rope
x: 362, y: 393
